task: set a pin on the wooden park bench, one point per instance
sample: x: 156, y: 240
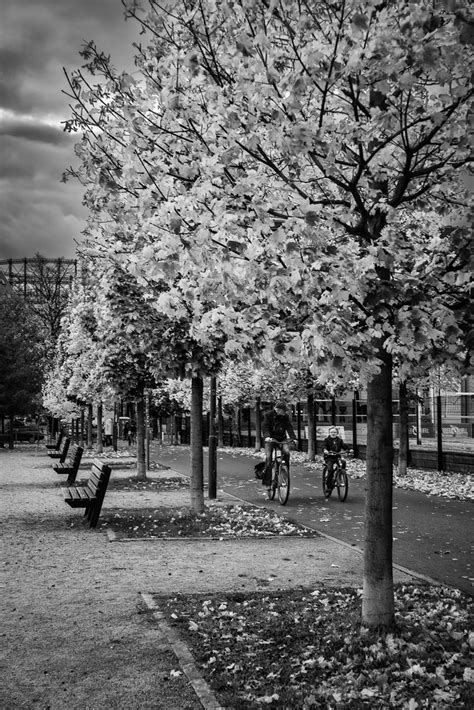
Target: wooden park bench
x: 62, y: 452
x: 91, y: 495
x: 57, y: 443
x: 70, y: 467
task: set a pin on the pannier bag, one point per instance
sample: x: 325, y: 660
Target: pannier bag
x: 259, y: 469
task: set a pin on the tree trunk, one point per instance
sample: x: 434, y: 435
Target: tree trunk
x: 377, y: 598
x: 172, y: 427
x: 141, y: 458
x: 403, y: 430
x: 237, y: 420
x: 212, y: 463
x: 311, y: 426
x: 197, y: 467
x: 147, y: 430
x: 100, y: 443
x: 90, y: 416
x: 258, y: 425
x: 10, y: 432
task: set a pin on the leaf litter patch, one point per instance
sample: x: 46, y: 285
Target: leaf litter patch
x: 227, y: 521
x: 306, y: 649
x: 150, y: 484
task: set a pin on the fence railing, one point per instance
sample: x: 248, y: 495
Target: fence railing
x: 440, y: 424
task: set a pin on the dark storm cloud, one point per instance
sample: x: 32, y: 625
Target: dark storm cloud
x: 38, y: 39
x: 33, y: 131
x: 39, y: 212
x: 43, y: 37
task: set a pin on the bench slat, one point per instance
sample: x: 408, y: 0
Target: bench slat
x: 71, y: 466
x: 78, y: 497
x: 62, y: 453
x: 91, y: 495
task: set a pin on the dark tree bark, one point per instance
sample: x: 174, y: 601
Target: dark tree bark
x: 90, y: 416
x: 212, y: 470
x: 197, y: 467
x: 377, y: 600
x: 141, y: 457
x: 100, y: 443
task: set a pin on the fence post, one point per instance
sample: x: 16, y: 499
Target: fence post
x: 355, y: 445
x: 258, y: 425
x: 439, y: 432
x: 312, y: 444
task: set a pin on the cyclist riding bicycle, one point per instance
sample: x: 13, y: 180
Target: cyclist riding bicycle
x: 276, y: 427
x: 333, y: 445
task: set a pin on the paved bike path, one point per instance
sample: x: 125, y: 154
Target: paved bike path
x: 432, y: 535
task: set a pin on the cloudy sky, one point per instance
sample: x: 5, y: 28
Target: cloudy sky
x: 39, y: 213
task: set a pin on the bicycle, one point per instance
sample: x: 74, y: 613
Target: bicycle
x: 280, y: 475
x: 339, y: 477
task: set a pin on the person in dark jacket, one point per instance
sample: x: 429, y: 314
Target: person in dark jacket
x: 333, y: 444
x: 276, y: 425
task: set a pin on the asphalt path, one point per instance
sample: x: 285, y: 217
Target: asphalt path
x: 432, y: 535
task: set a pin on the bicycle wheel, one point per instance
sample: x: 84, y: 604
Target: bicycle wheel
x: 271, y: 491
x: 327, y: 490
x: 283, y: 483
x: 342, y: 484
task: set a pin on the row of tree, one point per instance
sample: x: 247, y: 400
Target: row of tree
x: 286, y: 181
x: 22, y: 359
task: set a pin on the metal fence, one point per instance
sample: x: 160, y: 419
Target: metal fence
x: 441, y: 428
x: 449, y: 417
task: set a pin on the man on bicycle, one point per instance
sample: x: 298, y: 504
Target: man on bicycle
x: 333, y: 444
x: 276, y: 426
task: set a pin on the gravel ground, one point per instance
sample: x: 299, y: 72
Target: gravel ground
x: 76, y: 633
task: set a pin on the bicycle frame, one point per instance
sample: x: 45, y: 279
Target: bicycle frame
x: 339, y: 477
x: 281, y: 474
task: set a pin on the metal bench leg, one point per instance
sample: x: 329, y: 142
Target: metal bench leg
x: 94, y: 518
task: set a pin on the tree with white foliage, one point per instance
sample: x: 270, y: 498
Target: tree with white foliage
x: 116, y: 170
x: 305, y: 167
x: 331, y: 175
x: 54, y: 391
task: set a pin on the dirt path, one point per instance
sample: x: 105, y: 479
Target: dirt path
x: 74, y: 630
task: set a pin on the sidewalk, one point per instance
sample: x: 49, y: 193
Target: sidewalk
x: 75, y: 629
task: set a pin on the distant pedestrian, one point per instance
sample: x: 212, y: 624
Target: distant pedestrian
x: 109, y: 431
x: 132, y: 432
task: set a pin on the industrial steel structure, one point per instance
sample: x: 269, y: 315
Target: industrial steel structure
x: 25, y: 275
